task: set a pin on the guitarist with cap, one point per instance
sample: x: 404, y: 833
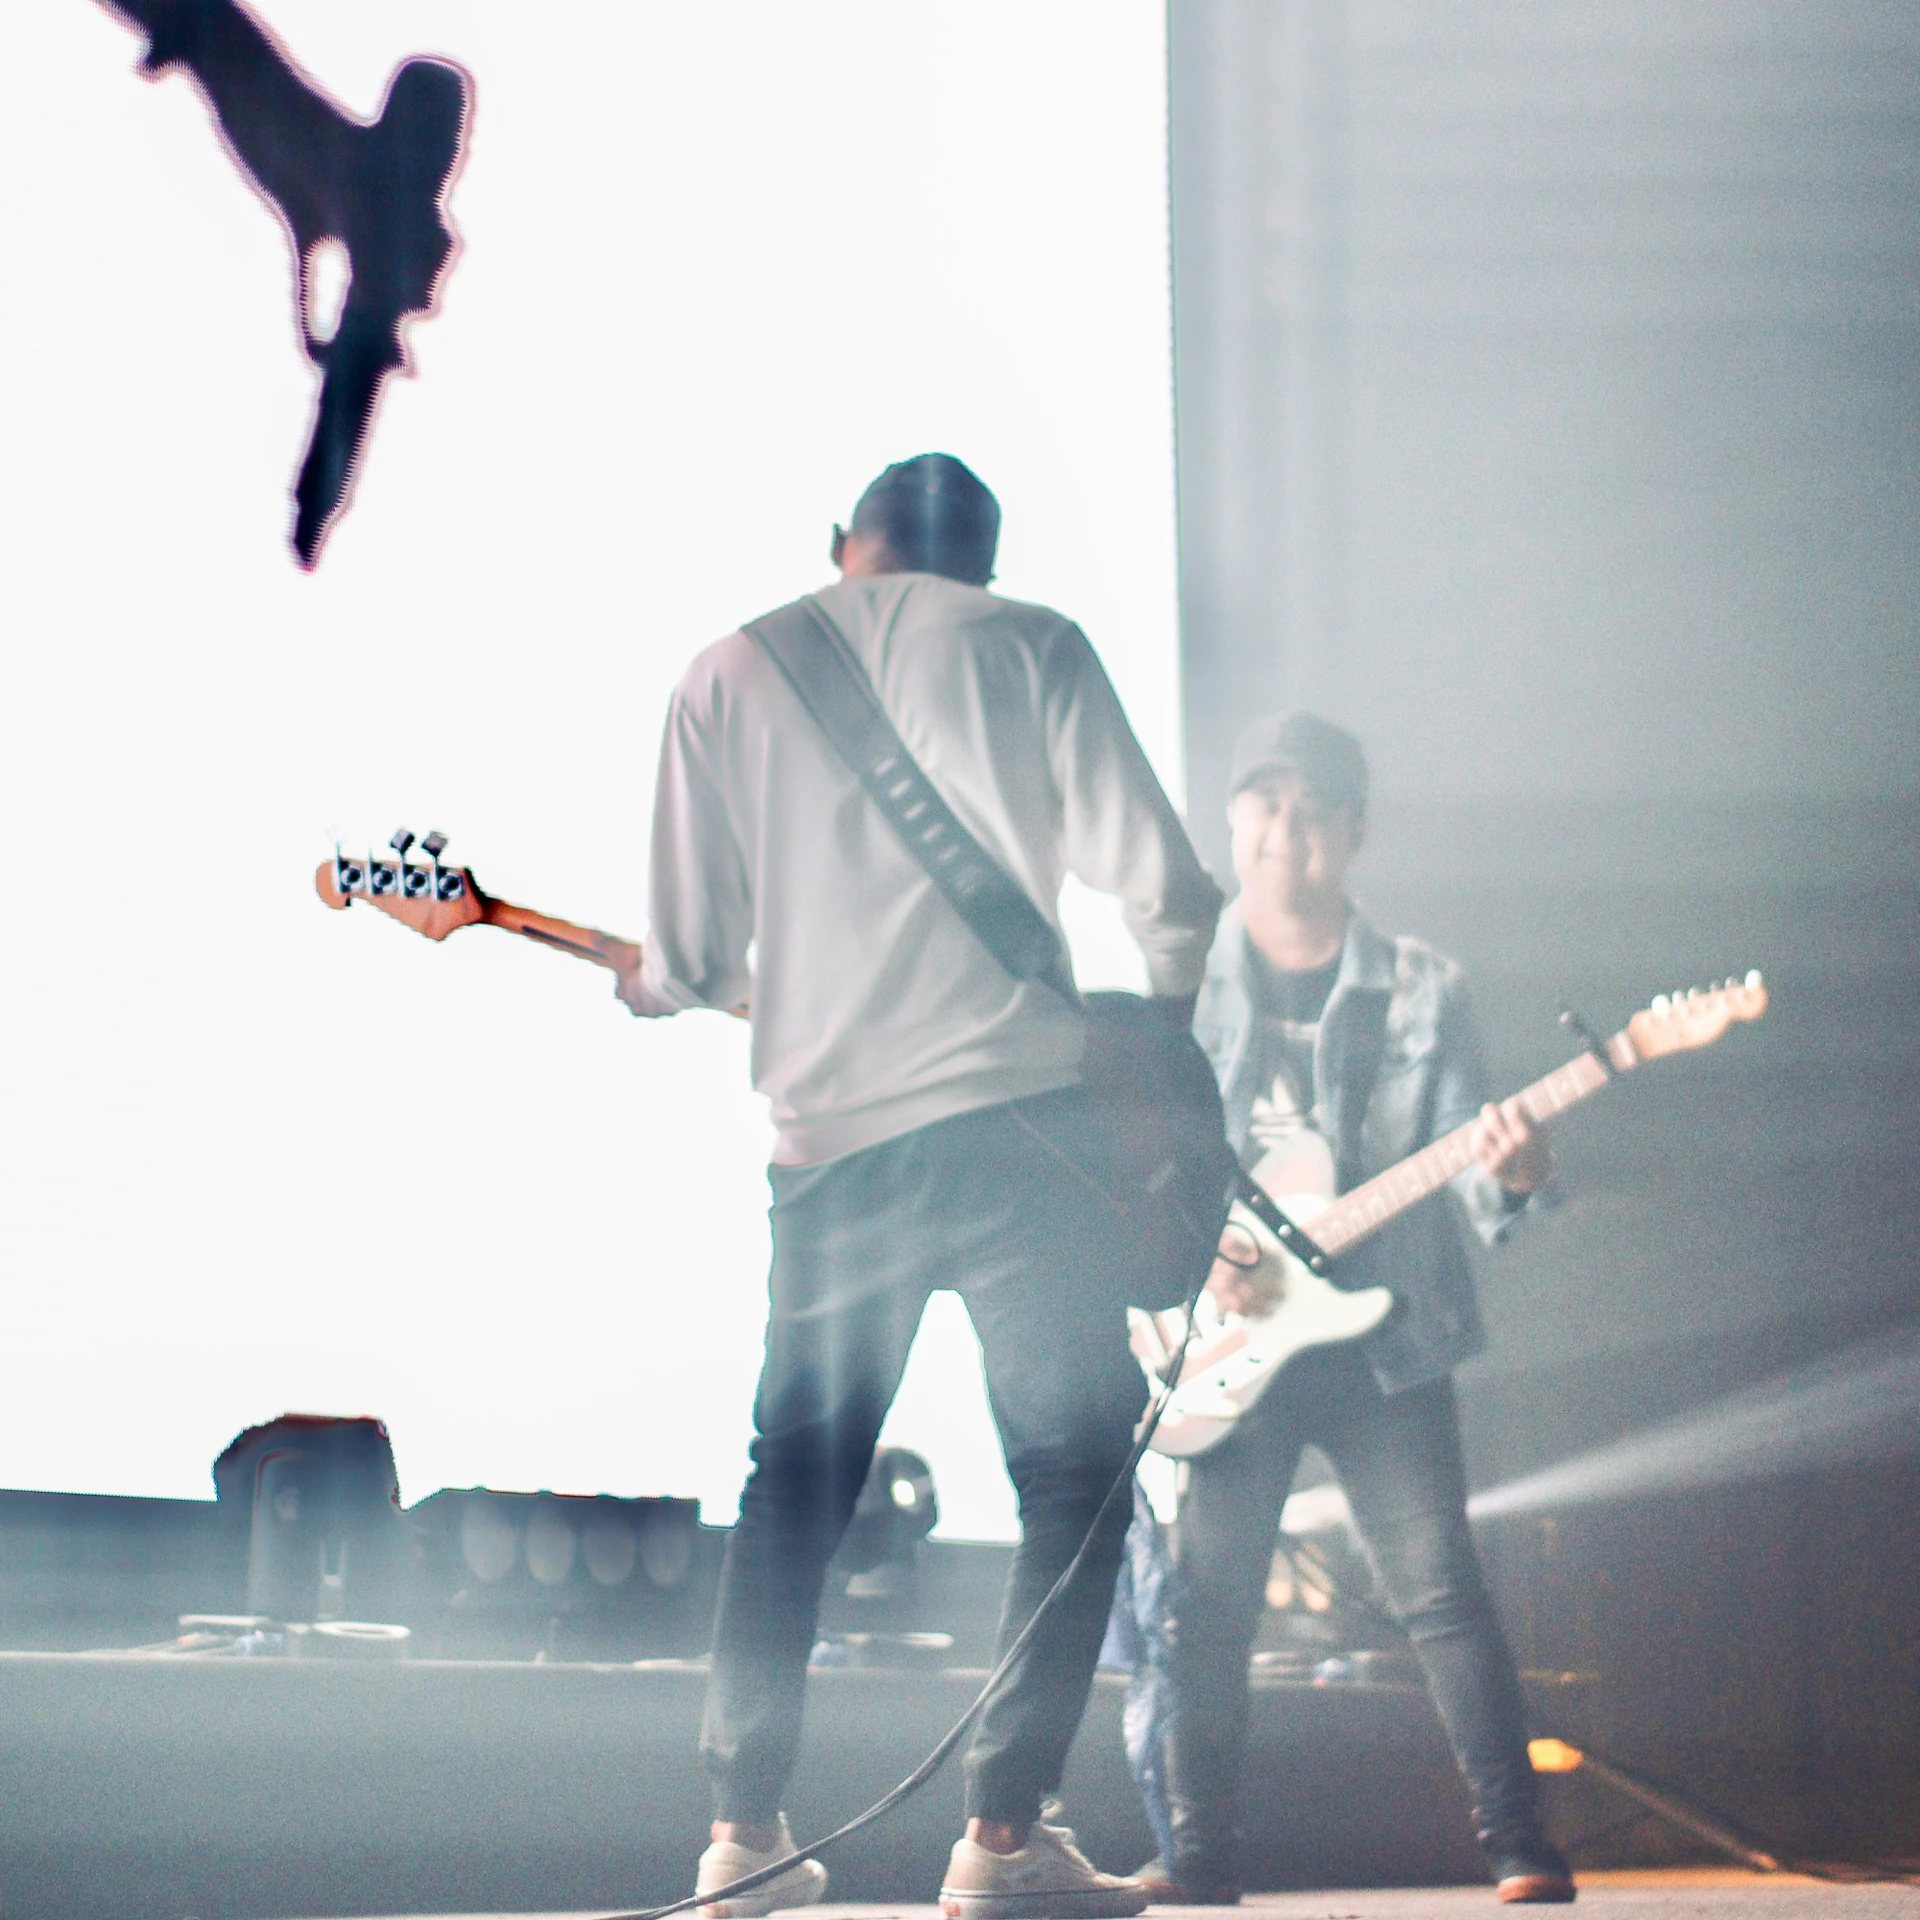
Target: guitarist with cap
x: 929, y: 1114
x: 1336, y: 1045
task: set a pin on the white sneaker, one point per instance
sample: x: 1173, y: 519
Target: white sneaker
x: 1048, y: 1879
x: 727, y: 1861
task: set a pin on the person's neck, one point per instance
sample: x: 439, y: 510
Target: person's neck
x: 1296, y: 941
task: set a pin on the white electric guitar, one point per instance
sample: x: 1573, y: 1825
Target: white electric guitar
x: 1233, y: 1357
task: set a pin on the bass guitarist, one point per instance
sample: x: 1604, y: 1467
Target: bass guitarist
x: 930, y: 1119
x: 1338, y: 1046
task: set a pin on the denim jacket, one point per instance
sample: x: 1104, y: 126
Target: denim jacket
x: 1432, y: 1077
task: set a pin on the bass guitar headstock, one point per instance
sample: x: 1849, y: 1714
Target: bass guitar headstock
x: 426, y: 895
x: 1696, y: 1017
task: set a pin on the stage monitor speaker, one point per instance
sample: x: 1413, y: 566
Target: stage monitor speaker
x: 320, y: 1503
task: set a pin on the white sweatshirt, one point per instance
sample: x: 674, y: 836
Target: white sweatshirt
x: 775, y: 880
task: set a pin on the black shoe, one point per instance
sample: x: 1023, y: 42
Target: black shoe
x: 1167, y: 1887
x: 1532, y: 1872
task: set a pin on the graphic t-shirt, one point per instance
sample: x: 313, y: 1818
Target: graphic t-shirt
x: 1286, y: 1151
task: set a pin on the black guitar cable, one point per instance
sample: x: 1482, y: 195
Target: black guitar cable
x: 1122, y: 1487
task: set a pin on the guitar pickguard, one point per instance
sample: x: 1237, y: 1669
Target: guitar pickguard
x: 1234, y: 1358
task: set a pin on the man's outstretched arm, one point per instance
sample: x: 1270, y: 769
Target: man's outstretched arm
x: 699, y: 901
x: 375, y: 189
x: 283, y: 131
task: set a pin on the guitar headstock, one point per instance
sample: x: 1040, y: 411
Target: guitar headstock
x: 1697, y: 1017
x: 430, y: 898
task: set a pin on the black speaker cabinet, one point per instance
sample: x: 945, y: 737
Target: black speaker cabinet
x: 320, y: 1504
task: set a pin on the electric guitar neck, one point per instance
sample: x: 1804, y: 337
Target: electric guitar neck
x: 1228, y: 1361
x: 1673, y: 1023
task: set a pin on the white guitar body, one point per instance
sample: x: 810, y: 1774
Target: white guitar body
x: 1234, y: 1357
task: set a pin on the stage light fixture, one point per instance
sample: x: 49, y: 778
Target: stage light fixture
x: 550, y: 1542
x: 608, y: 1548
x: 1554, y: 1756
x: 564, y: 1574
x: 489, y: 1541
x: 897, y: 1509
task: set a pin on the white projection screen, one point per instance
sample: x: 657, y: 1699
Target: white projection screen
x: 721, y: 263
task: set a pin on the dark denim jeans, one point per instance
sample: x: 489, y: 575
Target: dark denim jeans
x: 978, y: 1204
x: 1398, y: 1457
x: 1140, y: 1640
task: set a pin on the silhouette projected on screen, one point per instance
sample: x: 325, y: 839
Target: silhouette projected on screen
x: 377, y: 190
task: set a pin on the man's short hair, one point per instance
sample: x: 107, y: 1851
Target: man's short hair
x: 1331, y: 763
x: 936, y: 516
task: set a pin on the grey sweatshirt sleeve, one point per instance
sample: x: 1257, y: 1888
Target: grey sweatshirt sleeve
x: 700, y: 906
x: 1122, y: 835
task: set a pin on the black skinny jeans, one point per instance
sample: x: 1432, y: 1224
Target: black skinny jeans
x: 1398, y: 1457
x: 976, y: 1203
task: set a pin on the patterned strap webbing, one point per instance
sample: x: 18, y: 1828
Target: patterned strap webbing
x: 816, y: 661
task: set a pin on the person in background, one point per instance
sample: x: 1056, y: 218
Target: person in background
x: 1139, y: 1644
x: 1339, y: 1052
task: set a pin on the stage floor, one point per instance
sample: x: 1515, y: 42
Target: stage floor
x: 143, y: 1785
x: 1680, y: 1893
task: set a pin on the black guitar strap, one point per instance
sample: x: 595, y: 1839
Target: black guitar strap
x: 814, y: 658
x: 1167, y: 1162
x: 1369, y: 1038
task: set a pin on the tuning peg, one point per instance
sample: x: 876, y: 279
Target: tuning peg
x: 416, y: 882
x: 349, y: 873
x: 446, y: 885
x: 1754, y: 980
x: 1594, y: 1045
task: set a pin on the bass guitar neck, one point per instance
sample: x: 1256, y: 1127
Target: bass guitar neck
x: 584, y: 943
x: 436, y: 900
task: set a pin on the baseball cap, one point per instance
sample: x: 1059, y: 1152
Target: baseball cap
x: 1329, y: 760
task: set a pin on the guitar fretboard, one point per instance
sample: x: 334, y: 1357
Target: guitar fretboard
x: 1369, y: 1206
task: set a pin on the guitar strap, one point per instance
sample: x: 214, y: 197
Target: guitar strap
x: 1369, y: 1041
x: 1166, y: 1154
x: 815, y: 660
